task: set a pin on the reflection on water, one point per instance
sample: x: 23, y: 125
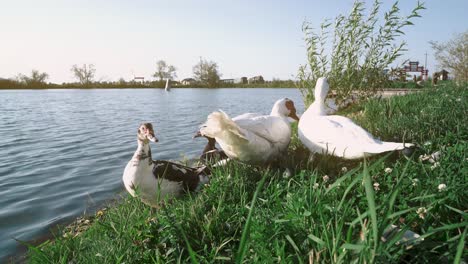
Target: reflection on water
x: 64, y: 151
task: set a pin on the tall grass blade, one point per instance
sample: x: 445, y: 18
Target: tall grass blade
x: 296, y: 248
x: 348, y: 189
x: 355, y: 247
x: 444, y: 228
x: 316, y: 240
x: 193, y: 255
x: 248, y: 222
x: 460, y: 248
x: 341, y: 179
x: 371, y: 204
x: 39, y: 252
x: 457, y: 210
x: 401, y: 212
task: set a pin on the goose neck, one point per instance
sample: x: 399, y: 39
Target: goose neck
x: 317, y: 108
x: 143, y: 153
x: 275, y: 111
x: 278, y: 113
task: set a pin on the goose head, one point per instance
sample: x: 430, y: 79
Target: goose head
x: 211, y: 141
x: 321, y: 89
x: 317, y: 108
x: 146, y: 133
x: 284, y: 108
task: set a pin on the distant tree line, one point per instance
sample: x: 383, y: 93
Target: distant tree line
x: 15, y: 84
x: 205, y: 72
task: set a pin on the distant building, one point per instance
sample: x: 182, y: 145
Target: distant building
x: 139, y: 79
x: 440, y: 75
x: 256, y: 79
x: 226, y: 81
x: 188, y: 81
x: 242, y: 80
x: 443, y: 75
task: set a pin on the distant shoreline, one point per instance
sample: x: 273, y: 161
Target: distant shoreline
x: 145, y: 87
x: 11, y: 84
x: 400, y: 89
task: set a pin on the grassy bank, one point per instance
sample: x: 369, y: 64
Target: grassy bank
x: 327, y: 210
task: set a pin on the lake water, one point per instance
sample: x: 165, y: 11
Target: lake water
x: 63, y: 152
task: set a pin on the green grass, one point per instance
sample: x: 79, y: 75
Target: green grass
x: 257, y: 215
x: 410, y: 84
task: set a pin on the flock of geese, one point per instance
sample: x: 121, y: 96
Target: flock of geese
x: 252, y: 139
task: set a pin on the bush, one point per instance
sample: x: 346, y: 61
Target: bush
x: 360, y: 51
x: 453, y: 55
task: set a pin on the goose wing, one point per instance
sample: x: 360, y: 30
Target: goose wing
x: 272, y: 128
x: 335, y: 132
x: 175, y: 172
x: 345, y: 129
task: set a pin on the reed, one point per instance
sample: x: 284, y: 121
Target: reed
x: 354, y: 50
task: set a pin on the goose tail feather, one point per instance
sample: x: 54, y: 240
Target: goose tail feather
x: 387, y: 146
x: 219, y: 123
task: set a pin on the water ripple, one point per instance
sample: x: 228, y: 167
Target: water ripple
x: 64, y: 151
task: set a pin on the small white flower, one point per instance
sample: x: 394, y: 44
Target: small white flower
x: 388, y: 170
x: 421, y: 212
x: 436, y: 164
x: 229, y: 176
x: 287, y: 173
x: 425, y: 157
x: 376, y: 186
x: 325, y: 178
x: 316, y: 185
x: 442, y: 187
x: 427, y: 143
x: 415, y: 182
x: 458, y: 99
x: 344, y: 169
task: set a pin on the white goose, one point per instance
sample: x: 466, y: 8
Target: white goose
x: 337, y: 135
x: 253, y: 138
x: 153, y: 180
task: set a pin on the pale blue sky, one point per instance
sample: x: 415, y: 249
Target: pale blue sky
x: 126, y: 38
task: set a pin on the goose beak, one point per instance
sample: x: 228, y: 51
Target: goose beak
x: 152, y: 138
x: 289, y: 104
x: 294, y: 116
x: 198, y: 134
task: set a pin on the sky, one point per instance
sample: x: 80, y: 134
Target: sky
x: 124, y: 39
